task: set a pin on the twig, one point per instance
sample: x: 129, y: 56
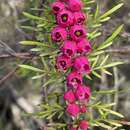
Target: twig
x: 120, y: 50
x: 116, y: 87
x: 24, y: 106
x: 8, y: 76
x: 11, y: 73
x: 6, y: 47
x: 117, y: 84
x: 24, y: 55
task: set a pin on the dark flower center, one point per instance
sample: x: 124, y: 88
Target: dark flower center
x: 86, y: 67
x: 87, y: 48
x: 80, y: 20
x: 58, y: 35
x: 63, y: 64
x: 79, y: 33
x: 79, y: 51
x: 81, y: 95
x: 56, y: 8
x: 69, y: 52
x: 64, y: 17
x: 76, y: 80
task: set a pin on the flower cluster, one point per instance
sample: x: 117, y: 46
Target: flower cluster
x: 71, y: 35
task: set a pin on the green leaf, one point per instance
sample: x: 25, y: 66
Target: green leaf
x: 106, y: 72
x: 33, y: 43
x: 38, y: 76
x: 103, y: 125
x: 89, y: 2
x: 105, y: 19
x: 108, y: 66
x: 112, y: 64
x: 96, y: 74
x: 96, y: 12
x: 88, y: 77
x: 95, y: 62
x: 111, y: 11
x: 96, y: 53
x: 105, y: 92
x: 30, y: 28
x: 109, y: 40
x: 60, y: 115
x: 93, y: 35
x: 50, y: 81
x: 96, y: 25
x: 113, y: 122
x: 30, y: 68
x: 104, y: 60
x: 30, y: 16
x: 103, y: 46
x: 113, y: 112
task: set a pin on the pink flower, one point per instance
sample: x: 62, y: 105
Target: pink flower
x: 81, y: 64
x: 83, y: 109
x: 69, y: 48
x: 63, y: 62
x: 82, y: 93
x: 79, y: 18
x: 58, y: 34
x: 57, y: 6
x: 87, y: 92
x: 74, y: 79
x: 77, y: 32
x: 64, y: 0
x: 73, y: 128
x: 65, y: 18
x: 73, y: 109
x: 83, y: 46
x: 69, y: 96
x: 83, y: 125
x: 75, y: 5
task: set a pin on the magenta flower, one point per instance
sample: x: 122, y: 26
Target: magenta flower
x: 79, y: 18
x: 73, y: 128
x: 71, y: 32
x: 77, y: 32
x: 83, y: 46
x: 64, y: 0
x: 57, y: 6
x: 83, y: 125
x: 75, y: 5
x: 69, y: 96
x: 63, y: 62
x: 83, y: 109
x: 65, y: 18
x: 58, y: 34
x: 82, y: 93
x: 73, y: 109
x: 87, y: 92
x: 69, y: 48
x: 74, y: 79
x: 81, y: 64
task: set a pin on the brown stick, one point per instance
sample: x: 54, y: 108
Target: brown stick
x: 8, y: 76
x: 24, y: 55
x: 11, y: 73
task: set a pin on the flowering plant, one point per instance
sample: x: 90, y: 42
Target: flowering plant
x: 70, y: 60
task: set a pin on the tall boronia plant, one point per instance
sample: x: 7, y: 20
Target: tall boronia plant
x: 70, y: 59
x: 71, y: 34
